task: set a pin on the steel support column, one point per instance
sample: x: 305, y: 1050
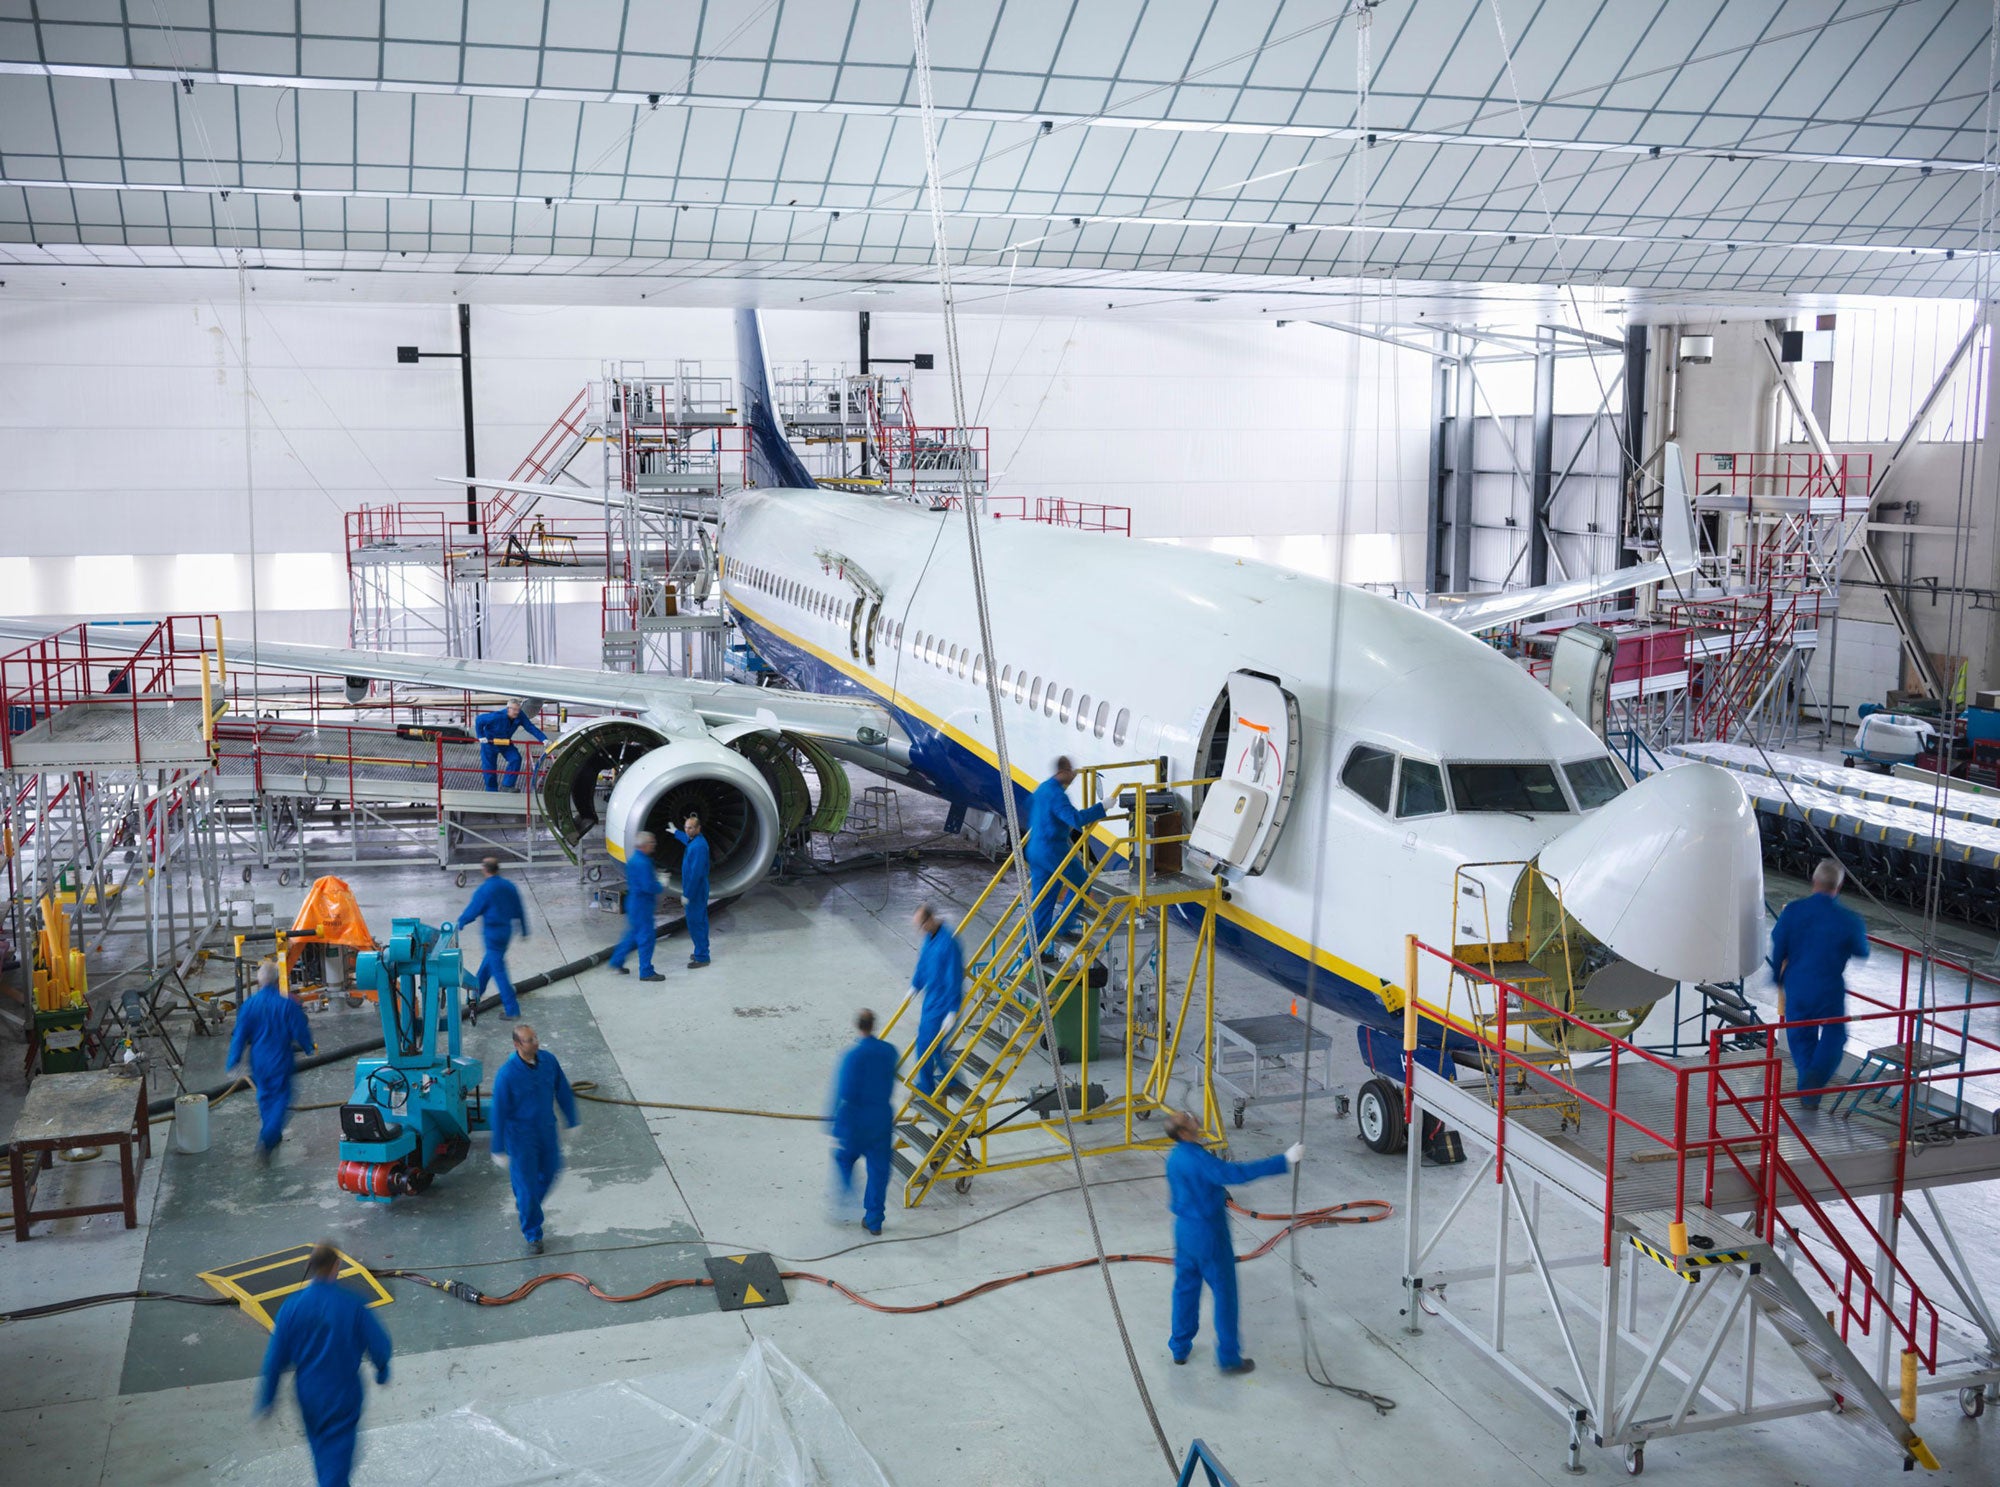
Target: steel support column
x: 1542, y: 468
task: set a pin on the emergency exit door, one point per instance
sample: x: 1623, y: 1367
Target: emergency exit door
x: 1253, y: 751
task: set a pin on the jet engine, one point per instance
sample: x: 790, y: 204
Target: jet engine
x: 745, y: 783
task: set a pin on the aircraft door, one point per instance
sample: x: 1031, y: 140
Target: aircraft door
x: 1580, y: 674
x: 1253, y: 750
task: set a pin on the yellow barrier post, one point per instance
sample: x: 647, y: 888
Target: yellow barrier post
x: 1409, y: 993
x: 1909, y: 1403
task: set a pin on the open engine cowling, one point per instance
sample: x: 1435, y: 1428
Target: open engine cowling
x: 745, y: 783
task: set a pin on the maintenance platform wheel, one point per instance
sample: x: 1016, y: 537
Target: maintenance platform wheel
x: 284, y: 877
x: 1972, y: 1402
x: 1635, y: 1459
x: 962, y: 1186
x: 459, y: 880
x: 1378, y: 1111
x: 1237, y: 1114
x: 246, y: 874
x: 597, y: 872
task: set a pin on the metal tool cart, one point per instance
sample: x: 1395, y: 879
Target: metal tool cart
x: 1266, y: 1060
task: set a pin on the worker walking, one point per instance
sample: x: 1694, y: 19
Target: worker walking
x: 496, y: 904
x: 1198, y: 1183
x: 694, y: 887
x: 526, y: 1092
x: 1812, y: 942
x: 270, y: 1024
x: 864, y: 1117
x: 642, y: 906
x: 1051, y: 819
x: 940, y: 978
x: 496, y: 730
x: 322, y: 1334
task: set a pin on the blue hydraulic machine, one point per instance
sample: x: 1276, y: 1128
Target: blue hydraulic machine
x: 413, y: 1111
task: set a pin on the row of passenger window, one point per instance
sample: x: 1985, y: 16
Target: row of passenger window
x: 1094, y: 717
x: 1406, y: 787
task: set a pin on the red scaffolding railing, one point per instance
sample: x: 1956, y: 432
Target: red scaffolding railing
x: 1085, y: 516
x: 63, y: 670
x: 1769, y: 1149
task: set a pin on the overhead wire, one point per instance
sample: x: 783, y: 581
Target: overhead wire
x: 920, y: 36
x: 1309, y: 1350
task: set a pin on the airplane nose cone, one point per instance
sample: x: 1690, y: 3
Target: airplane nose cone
x: 1669, y: 875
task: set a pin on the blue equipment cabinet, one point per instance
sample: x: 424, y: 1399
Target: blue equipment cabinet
x: 414, y: 1110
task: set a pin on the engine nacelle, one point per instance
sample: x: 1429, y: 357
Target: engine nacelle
x: 738, y: 810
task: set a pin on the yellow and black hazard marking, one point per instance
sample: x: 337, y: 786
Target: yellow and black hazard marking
x: 746, y: 1282
x: 260, y: 1286
x: 1687, y: 1266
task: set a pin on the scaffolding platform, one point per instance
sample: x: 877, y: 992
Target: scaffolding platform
x: 139, y: 730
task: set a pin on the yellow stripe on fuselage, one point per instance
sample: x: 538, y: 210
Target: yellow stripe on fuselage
x: 1392, y: 996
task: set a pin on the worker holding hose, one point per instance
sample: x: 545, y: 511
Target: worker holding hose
x: 1198, y: 1183
x: 864, y: 1117
x: 496, y: 904
x: 526, y: 1092
x: 270, y: 1025
x: 323, y: 1333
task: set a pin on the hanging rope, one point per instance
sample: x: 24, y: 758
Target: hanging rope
x: 920, y: 34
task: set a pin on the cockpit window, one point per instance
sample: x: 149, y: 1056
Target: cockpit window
x: 1594, y: 782
x: 1506, y: 787
x: 1420, y: 789
x: 1369, y: 771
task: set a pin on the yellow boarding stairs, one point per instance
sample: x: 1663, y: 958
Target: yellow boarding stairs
x: 1531, y: 951
x: 995, y: 1108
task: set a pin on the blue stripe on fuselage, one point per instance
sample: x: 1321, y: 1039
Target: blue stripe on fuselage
x: 963, y: 778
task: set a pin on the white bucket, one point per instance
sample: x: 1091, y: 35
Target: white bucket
x: 191, y: 1123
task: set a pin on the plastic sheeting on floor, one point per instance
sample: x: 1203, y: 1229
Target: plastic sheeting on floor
x: 763, y: 1423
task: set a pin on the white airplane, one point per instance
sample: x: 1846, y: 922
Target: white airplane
x: 1391, y: 749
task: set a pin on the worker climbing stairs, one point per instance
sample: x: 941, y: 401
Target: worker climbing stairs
x: 997, y: 1107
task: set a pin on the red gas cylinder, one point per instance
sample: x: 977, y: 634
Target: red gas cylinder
x: 372, y: 1179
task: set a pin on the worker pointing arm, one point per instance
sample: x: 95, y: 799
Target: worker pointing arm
x: 495, y: 731
x: 1198, y: 1183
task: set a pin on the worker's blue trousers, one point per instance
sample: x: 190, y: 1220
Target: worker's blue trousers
x: 532, y: 1178
x: 1216, y: 1266
x: 1058, y: 899
x: 696, y: 910
x: 876, y: 1189
x: 493, y: 754
x: 274, y: 1103
x: 493, y: 967
x: 1816, y: 1055
x: 930, y: 1074
x: 640, y: 933
x: 331, y: 1436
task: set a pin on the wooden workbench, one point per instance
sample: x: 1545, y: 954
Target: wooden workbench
x: 102, y: 1108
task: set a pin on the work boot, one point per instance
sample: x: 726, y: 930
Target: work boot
x: 620, y: 969
x: 695, y: 965
x: 263, y: 1155
x: 654, y: 976
x: 534, y: 1246
x: 1245, y: 1365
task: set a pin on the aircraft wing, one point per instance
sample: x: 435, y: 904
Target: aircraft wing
x: 1475, y: 612
x: 677, y: 705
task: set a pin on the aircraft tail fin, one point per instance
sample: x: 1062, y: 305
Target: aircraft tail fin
x: 772, y: 462
x: 1677, y: 544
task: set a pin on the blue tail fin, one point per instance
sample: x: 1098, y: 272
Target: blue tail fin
x: 772, y: 462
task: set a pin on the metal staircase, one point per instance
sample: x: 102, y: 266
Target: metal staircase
x: 996, y: 1107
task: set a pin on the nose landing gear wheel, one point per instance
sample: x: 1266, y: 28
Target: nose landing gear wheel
x: 1378, y: 1111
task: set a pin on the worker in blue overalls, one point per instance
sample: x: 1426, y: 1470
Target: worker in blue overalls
x: 526, y: 1092
x: 494, y: 730
x: 271, y: 1025
x: 323, y: 1332
x: 496, y: 904
x: 940, y: 979
x: 864, y: 1116
x: 1198, y: 1183
x: 1812, y: 942
x: 694, y: 887
x: 642, y: 906
x: 1051, y: 819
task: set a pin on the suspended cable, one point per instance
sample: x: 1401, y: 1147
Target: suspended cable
x: 920, y: 34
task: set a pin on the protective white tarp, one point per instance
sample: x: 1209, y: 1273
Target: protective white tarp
x: 763, y: 1423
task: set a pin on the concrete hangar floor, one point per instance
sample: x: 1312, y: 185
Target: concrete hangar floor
x: 1026, y: 1387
